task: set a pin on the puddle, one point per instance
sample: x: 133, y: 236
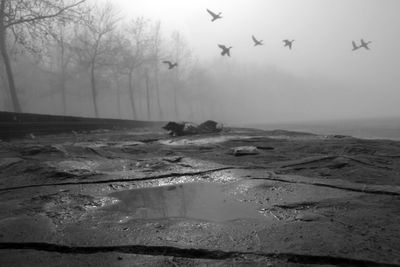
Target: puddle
x: 203, y: 201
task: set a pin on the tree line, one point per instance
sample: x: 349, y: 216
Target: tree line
x: 91, y: 48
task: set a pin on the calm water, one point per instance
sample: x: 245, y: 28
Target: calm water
x: 204, y: 201
x: 362, y: 128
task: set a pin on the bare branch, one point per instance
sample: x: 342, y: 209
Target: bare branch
x: 37, y: 17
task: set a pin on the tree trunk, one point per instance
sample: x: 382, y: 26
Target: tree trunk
x: 63, y: 93
x: 157, y: 87
x: 202, y: 117
x: 176, y: 83
x: 176, y: 103
x: 62, y: 81
x: 94, y: 90
x: 7, y: 63
x: 118, y: 95
x: 156, y: 47
x: 146, y: 73
x: 131, y: 96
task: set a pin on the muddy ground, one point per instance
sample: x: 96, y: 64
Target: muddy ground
x: 140, y: 198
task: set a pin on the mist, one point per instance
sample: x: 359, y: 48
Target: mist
x: 320, y: 78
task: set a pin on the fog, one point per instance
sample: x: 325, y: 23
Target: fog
x: 320, y: 78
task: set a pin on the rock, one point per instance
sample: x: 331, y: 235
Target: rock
x: 173, y: 159
x: 100, y: 131
x: 60, y: 148
x: 32, y: 150
x: 265, y: 148
x: 339, y: 163
x: 189, y: 128
x: 7, y: 162
x: 209, y: 127
x: 126, y: 144
x: 174, y: 128
x: 339, y: 136
x: 71, y: 168
x: 308, y: 217
x: 244, y: 150
x: 325, y: 172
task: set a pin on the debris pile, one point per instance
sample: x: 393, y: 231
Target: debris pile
x: 189, y: 128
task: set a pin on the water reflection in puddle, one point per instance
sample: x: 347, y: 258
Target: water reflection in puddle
x: 204, y: 201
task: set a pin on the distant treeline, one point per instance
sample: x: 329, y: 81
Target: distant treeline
x: 69, y: 57
x: 72, y: 57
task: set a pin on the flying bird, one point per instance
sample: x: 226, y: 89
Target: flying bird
x: 355, y: 47
x: 225, y: 50
x: 256, y: 42
x: 214, y: 16
x: 288, y: 43
x: 170, y: 64
x: 364, y: 44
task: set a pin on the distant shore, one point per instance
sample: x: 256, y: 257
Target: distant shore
x: 22, y: 124
x: 385, y: 128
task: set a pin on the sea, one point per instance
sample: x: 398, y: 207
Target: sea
x: 377, y: 128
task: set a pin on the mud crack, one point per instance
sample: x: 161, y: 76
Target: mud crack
x: 365, y: 189
x: 162, y: 176
x: 191, y: 253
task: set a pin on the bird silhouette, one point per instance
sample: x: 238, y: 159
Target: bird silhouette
x: 170, y: 65
x: 364, y: 44
x: 225, y: 50
x: 355, y: 47
x: 256, y: 42
x: 214, y: 16
x: 288, y: 43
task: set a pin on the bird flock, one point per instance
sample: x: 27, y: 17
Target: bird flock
x: 225, y: 50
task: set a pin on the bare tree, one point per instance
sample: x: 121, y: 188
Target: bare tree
x: 135, y: 53
x: 63, y: 68
x: 60, y: 52
x: 117, y: 83
x: 156, y: 44
x: 95, y: 43
x: 201, y: 91
x: 119, y: 68
x: 146, y: 73
x: 182, y: 54
x: 20, y: 19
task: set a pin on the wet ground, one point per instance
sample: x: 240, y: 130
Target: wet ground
x: 113, y: 198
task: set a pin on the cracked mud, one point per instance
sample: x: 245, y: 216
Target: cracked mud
x: 142, y: 198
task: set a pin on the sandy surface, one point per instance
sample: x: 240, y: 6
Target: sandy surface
x: 145, y: 199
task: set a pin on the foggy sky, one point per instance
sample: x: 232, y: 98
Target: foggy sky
x: 322, y: 29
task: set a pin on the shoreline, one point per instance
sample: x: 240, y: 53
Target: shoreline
x: 121, y: 194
